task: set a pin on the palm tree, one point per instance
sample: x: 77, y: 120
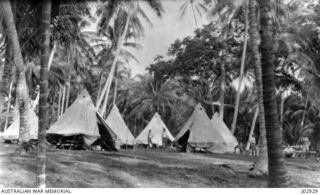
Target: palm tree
x: 261, y: 167
x: 106, y: 89
x: 297, y: 111
x: 41, y: 155
x: 5, y: 80
x: 23, y: 96
x: 150, y: 96
x: 234, y: 122
x: 129, y: 11
x: 195, y: 5
x: 277, y: 169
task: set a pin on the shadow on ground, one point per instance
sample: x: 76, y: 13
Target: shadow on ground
x: 143, y: 168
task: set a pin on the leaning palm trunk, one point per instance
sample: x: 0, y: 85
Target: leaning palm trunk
x: 277, y: 168
x: 253, y: 124
x: 99, y: 90
x: 41, y: 154
x: 53, y: 51
x: 115, y: 88
x: 261, y: 166
x: 106, y: 89
x: 23, y: 96
x: 243, y: 58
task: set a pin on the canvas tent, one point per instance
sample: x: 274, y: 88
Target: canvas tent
x: 156, y: 125
x: 12, y: 132
x: 200, y: 132
x: 81, y: 118
x: 119, y: 127
x: 231, y: 140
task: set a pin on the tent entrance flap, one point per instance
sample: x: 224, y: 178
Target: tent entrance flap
x: 107, y: 136
x: 183, y: 141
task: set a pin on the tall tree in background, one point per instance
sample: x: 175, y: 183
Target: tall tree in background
x: 261, y: 167
x: 223, y: 12
x: 277, y: 169
x: 23, y: 96
x: 41, y: 155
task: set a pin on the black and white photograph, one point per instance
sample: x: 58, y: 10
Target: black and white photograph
x: 205, y: 94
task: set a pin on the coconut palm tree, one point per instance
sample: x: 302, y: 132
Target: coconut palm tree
x: 129, y: 11
x: 299, y: 118
x: 261, y: 167
x: 150, y: 96
x: 41, y: 154
x: 277, y: 169
x: 196, y: 6
x: 6, y: 76
x: 23, y: 96
x: 243, y: 58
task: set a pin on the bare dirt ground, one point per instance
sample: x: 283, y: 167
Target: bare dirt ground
x: 144, y: 168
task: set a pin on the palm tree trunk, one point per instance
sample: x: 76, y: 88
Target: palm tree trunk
x: 53, y: 51
x: 5, y: 81
x: 305, y: 111
x: 223, y: 77
x: 67, y: 94
x: 243, y: 58
x: 41, y: 154
x: 68, y: 80
x: 59, y: 103
x: 253, y: 124
x: 261, y: 166
x: 106, y: 90
x: 115, y: 88
x: 23, y: 96
x: 222, y: 90
x: 277, y: 168
x: 211, y: 100
x: 194, y: 15
x: 63, y: 99
x: 8, y: 106
x: 24, y: 129
x: 99, y: 90
x: 281, y: 109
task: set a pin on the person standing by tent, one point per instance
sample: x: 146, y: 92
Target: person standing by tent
x: 253, y: 146
x: 150, y: 136
x: 164, y: 137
